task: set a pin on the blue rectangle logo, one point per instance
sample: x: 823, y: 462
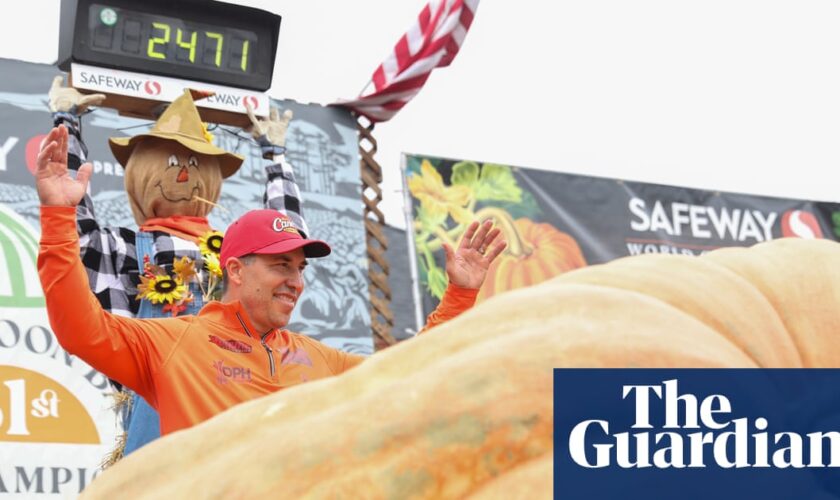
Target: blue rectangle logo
x: 696, y: 434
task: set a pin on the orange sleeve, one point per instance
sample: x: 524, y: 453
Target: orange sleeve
x: 116, y: 346
x: 455, y: 300
x: 338, y: 360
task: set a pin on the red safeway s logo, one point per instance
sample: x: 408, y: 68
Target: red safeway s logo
x: 253, y: 101
x: 152, y: 87
x: 800, y: 224
x: 33, y: 147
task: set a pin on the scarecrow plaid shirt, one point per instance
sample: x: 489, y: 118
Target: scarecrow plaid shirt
x: 109, y: 254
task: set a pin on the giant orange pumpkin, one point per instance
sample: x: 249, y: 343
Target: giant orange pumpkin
x: 465, y: 410
x: 536, y: 252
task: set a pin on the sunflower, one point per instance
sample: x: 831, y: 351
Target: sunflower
x: 211, y: 262
x: 161, y: 288
x: 211, y: 243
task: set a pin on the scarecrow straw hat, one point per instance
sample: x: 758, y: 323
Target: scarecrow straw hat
x: 182, y: 124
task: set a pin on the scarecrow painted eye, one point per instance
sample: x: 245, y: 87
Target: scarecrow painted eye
x: 193, y: 161
x: 173, y: 161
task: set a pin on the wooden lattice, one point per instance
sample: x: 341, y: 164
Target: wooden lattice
x: 381, y: 315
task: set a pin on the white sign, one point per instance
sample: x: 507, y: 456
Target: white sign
x: 55, y: 423
x: 164, y: 89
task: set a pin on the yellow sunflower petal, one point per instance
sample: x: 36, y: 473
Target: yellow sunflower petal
x: 211, y: 242
x: 211, y: 262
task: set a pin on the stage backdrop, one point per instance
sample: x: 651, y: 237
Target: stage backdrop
x: 556, y: 222
x: 55, y: 426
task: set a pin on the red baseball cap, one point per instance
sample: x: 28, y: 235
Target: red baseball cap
x: 267, y: 232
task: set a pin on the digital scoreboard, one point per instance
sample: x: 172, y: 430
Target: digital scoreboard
x: 200, y: 40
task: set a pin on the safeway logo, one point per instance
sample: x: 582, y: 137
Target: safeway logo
x: 152, y: 88
x: 252, y: 101
x: 701, y: 221
x: 800, y: 224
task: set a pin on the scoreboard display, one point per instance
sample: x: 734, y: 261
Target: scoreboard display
x: 200, y: 40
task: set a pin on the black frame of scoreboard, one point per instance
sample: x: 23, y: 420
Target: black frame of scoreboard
x: 74, y: 45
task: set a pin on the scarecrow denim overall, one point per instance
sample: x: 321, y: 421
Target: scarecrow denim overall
x: 141, y: 421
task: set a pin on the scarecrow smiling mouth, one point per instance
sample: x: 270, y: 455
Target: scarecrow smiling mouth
x: 163, y: 194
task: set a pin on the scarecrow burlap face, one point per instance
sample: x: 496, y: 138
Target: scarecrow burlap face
x: 174, y: 169
x: 164, y: 178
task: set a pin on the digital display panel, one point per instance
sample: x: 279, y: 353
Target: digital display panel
x: 168, y: 39
x: 207, y: 41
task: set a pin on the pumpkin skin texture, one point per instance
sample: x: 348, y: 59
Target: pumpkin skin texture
x: 466, y: 408
x: 800, y: 280
x: 691, y: 285
x: 531, y: 481
x: 548, y: 252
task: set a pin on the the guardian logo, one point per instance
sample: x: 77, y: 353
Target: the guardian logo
x: 694, y: 432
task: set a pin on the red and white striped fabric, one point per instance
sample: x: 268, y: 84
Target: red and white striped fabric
x: 431, y: 42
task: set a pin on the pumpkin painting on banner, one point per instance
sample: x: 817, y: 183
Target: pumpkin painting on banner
x: 555, y: 222
x: 536, y: 250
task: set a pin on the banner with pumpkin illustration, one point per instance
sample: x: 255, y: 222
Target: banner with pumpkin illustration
x: 556, y: 222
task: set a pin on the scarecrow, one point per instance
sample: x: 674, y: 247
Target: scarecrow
x: 173, y: 178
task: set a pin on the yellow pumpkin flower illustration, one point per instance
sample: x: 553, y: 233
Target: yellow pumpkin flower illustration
x: 211, y: 243
x: 160, y: 288
x: 437, y: 199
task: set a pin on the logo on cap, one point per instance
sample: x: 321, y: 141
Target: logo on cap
x: 280, y: 224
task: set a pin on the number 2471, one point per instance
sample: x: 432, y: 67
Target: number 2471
x: 189, y: 44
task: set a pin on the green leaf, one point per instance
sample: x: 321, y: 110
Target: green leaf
x: 422, y: 270
x: 412, y: 165
x: 497, y: 183
x: 465, y: 173
x: 835, y: 220
x: 437, y: 282
x: 528, y: 207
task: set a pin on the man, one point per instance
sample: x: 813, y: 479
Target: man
x: 173, y: 178
x: 192, y: 367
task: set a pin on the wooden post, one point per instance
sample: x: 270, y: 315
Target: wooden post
x: 381, y: 316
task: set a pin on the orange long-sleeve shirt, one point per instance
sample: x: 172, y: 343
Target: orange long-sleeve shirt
x: 192, y: 367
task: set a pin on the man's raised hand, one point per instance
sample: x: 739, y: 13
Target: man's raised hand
x: 56, y: 187
x: 467, y: 266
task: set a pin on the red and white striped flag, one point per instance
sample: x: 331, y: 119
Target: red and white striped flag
x: 431, y: 42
